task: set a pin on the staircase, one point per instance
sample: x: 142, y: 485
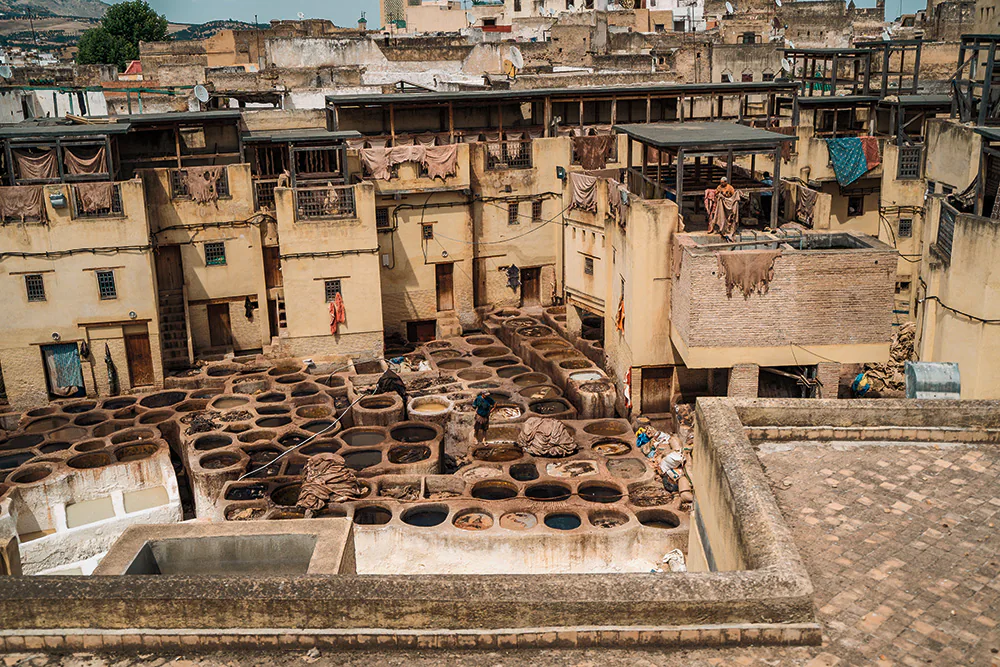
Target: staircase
x: 448, y: 324
x: 173, y: 329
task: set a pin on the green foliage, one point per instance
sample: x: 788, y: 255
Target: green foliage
x: 117, y: 39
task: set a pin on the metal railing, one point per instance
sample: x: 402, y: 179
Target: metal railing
x: 502, y: 155
x: 946, y: 229
x: 263, y: 193
x: 114, y: 210
x: 910, y: 161
x: 179, y: 188
x: 324, y: 202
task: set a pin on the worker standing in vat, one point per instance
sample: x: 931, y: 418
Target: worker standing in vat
x: 484, y: 406
x: 391, y: 382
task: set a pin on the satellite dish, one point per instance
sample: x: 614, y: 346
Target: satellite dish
x: 5, y: 72
x: 777, y: 2
x: 201, y: 93
x: 301, y: 15
x: 470, y: 17
x: 886, y: 36
x: 791, y: 45
x: 785, y: 65
x: 729, y: 8
x: 516, y: 58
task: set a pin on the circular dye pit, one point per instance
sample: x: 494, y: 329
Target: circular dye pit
x: 89, y: 446
x: 599, y: 387
x: 30, y: 475
x: 128, y: 453
x: 475, y: 374
x: 319, y: 425
x: 562, y: 521
x: 229, y: 402
x: 531, y: 379
x: 535, y: 331
x: 82, y: 406
x: 430, y: 405
x: 599, y: 493
x: 572, y: 364
x: 378, y: 402
x: 246, y: 492
x: 271, y: 397
x: 249, y: 386
x: 163, y: 399
x: 548, y: 492
x: 611, y: 447
x: 511, y: 371
x: 626, y: 468
x: 50, y: 447
x: 22, y: 441
x: 608, y: 519
x: 412, y: 433
x: 222, y: 370
x: 313, y: 412
x: 304, y: 389
x: 518, y: 521
x: 284, y: 369
x: 490, y: 351
x: 292, y: 439
x: 46, y: 424
x: 484, y: 385
x: 373, y: 515
x: 498, y: 453
x: 586, y: 377
x: 256, y: 436
x: 540, y: 392
x: 219, y: 460
x: 480, y: 340
x: 658, y: 519
x: 552, y: 406
x: 155, y: 417
x: 406, y: 454
x: 90, y: 460
x: 473, y: 520
x: 287, y: 495
x: 290, y: 379
x: 425, y: 517
x: 244, y: 513
x: 500, y: 363
x: 453, y: 364
x: 440, y: 355
x: 358, y: 437
x: 90, y: 419
x: 363, y: 459
x: 494, y: 489
x: 320, y: 447
x: 606, y: 427
x: 273, y: 422
x: 15, y: 460
x: 524, y: 472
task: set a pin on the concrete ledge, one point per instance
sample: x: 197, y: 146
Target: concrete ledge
x: 681, y: 636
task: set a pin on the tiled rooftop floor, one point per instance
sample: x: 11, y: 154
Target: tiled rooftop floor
x: 901, y: 543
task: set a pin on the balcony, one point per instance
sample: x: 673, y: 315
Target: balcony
x: 412, y: 175
x: 97, y: 200
x: 179, y: 186
x: 782, y: 299
x: 324, y: 203
x: 504, y: 155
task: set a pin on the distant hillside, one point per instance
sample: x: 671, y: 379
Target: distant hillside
x: 205, y: 30
x: 81, y: 8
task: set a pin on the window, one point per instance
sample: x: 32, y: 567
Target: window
x: 902, y: 286
x: 106, y: 284
x: 512, y: 213
x: 909, y: 162
x: 931, y: 187
x: 382, y: 218
x: 536, y: 210
x: 855, y: 206
x: 659, y: 27
x: 215, y: 253
x: 588, y: 266
x: 947, y: 189
x: 727, y: 77
x: 331, y: 289
x: 747, y: 77
x: 678, y: 25
x: 905, y: 228
x: 767, y: 76
x: 489, y: 23
x: 35, y: 285
x: 427, y: 232
x: 517, y: 5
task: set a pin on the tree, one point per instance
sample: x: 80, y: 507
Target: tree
x: 116, y: 40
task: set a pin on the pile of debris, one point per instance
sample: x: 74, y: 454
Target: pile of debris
x: 889, y: 376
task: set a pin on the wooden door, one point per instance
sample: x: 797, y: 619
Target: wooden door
x: 169, y: 269
x: 421, y: 331
x: 219, y: 330
x: 656, y: 387
x: 140, y: 359
x: 272, y: 267
x: 445, y: 286
x: 531, y: 287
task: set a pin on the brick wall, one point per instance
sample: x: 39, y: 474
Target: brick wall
x: 836, y: 297
x: 743, y: 381
x: 828, y: 374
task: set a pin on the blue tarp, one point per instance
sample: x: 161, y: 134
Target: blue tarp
x: 848, y: 158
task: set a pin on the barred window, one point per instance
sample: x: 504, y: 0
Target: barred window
x: 512, y: 213
x: 909, y: 162
x: 215, y: 253
x: 35, y: 285
x: 588, y: 266
x: 382, y: 218
x: 106, y: 284
x: 536, y: 210
x: 427, y: 232
x: 332, y: 289
x: 905, y: 228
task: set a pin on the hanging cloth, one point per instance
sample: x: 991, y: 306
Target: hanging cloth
x: 751, y: 271
x: 36, y: 167
x: 63, y: 365
x: 593, y: 151
x: 441, y: 161
x: 95, y: 196
x: 77, y: 165
x: 620, y: 317
x: 583, y: 191
x: 114, y: 387
x: 710, y: 205
x: 376, y: 163
x: 513, y: 276
x: 338, y: 313
x: 853, y: 157
x: 726, y: 216
x: 805, y: 206
x: 203, y: 183
x: 20, y: 202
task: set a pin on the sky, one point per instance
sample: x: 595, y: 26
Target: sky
x: 342, y: 12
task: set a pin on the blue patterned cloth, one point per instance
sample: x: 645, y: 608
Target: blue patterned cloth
x: 848, y: 158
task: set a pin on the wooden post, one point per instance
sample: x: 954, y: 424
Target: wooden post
x: 776, y: 186
x: 451, y: 121
x: 649, y: 107
x: 177, y: 144
x: 614, y: 111
x: 107, y: 157
x: 10, y: 162
x: 392, y: 123
x: 833, y: 75
x: 628, y: 165
x: 680, y: 180
x: 547, y: 117
x: 916, y: 67
x: 729, y: 166
x: 581, y: 112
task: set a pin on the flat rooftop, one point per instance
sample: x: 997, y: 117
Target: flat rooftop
x: 304, y: 134
x: 686, y: 135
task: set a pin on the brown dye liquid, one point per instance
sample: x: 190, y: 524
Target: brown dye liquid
x: 227, y: 403
x: 433, y: 406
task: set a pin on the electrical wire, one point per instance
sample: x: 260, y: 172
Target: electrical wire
x: 113, y: 250
x: 957, y: 311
